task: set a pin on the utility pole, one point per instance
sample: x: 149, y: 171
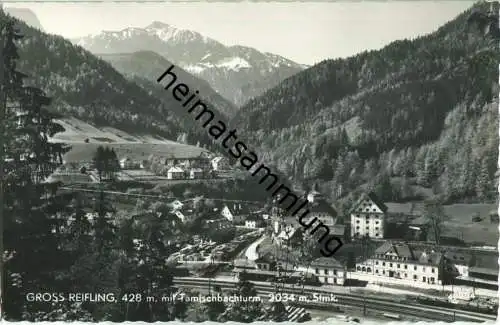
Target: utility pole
x: 210, y: 276
x: 3, y: 104
x: 364, y: 305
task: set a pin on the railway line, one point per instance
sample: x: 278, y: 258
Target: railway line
x: 351, y: 300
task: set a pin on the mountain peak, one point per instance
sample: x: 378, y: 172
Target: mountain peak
x: 158, y: 24
x: 168, y: 33
x: 227, y: 68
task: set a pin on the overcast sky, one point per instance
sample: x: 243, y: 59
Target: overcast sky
x: 304, y: 32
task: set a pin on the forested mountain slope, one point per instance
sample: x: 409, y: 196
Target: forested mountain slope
x: 90, y: 89
x: 422, y: 112
x: 26, y: 15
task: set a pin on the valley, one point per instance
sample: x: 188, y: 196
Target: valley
x: 110, y: 185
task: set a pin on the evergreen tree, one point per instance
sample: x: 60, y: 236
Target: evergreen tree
x: 383, y: 188
x: 104, y: 229
x: 484, y: 181
x: 106, y: 163
x: 243, y: 311
x: 33, y: 209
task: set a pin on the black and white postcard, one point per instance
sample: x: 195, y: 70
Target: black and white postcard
x: 249, y: 162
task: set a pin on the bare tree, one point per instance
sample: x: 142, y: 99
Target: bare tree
x: 435, y: 215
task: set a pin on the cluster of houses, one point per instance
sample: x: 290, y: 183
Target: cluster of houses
x: 388, y: 261
x: 222, y: 217
x: 202, y: 166
x: 285, y: 228
x: 392, y: 262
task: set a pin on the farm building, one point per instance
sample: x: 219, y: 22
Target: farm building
x: 128, y: 163
x: 175, y: 173
x: 220, y: 163
x: 196, y: 173
x: 188, y: 162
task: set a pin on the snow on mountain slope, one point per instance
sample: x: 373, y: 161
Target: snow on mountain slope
x: 228, y: 69
x: 234, y: 63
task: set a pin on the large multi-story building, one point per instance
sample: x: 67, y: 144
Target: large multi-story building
x: 400, y: 263
x: 368, y: 217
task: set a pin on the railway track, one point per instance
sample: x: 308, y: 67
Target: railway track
x: 351, y: 300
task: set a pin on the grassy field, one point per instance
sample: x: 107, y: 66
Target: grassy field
x: 78, y: 131
x: 136, y: 151
x: 459, y: 223
x: 136, y: 147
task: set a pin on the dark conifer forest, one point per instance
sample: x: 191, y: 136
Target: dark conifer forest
x: 420, y: 116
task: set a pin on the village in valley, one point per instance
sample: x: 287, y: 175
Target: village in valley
x: 389, y: 249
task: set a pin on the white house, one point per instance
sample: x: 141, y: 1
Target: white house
x: 175, y: 173
x: 176, y: 205
x: 460, y: 260
x: 251, y: 224
x: 232, y: 214
x: 226, y: 213
x: 328, y: 270
x: 196, y: 173
x: 184, y: 216
x: 254, y: 221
